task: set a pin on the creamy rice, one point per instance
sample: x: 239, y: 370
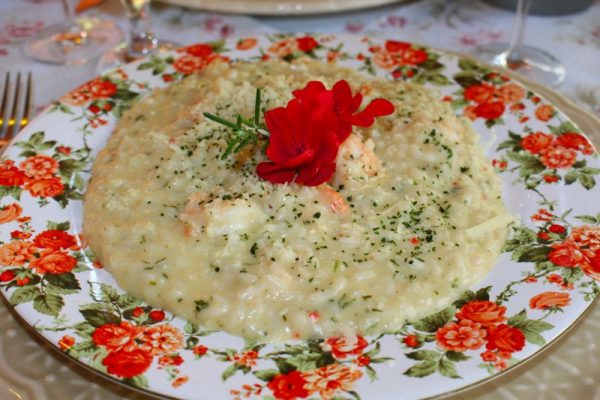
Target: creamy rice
x: 208, y: 240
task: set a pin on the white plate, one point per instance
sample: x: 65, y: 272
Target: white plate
x: 70, y: 301
x: 280, y: 7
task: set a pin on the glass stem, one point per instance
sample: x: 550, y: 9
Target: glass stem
x: 69, y: 12
x: 513, y: 54
x: 141, y: 37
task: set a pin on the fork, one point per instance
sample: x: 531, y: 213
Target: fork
x: 11, y: 124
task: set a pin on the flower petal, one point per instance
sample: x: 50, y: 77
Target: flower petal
x: 274, y: 173
x: 376, y: 108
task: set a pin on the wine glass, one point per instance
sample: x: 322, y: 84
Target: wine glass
x: 142, y: 40
x: 74, y: 41
x: 530, y: 62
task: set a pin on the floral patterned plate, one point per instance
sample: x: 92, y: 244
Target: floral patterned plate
x: 546, y: 278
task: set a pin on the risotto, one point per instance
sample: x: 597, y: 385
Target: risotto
x: 412, y: 216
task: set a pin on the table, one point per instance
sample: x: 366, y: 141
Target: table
x: 568, y: 370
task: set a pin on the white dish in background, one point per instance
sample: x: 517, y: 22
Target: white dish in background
x: 280, y: 7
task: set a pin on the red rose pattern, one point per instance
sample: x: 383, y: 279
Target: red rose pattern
x: 505, y: 338
x: 462, y: 336
x: 55, y: 239
x: 127, y: 364
x: 546, y: 300
x: 484, y: 312
x: 55, y: 262
x: 536, y: 142
x: 289, y: 386
x: 342, y: 347
x: 558, y: 157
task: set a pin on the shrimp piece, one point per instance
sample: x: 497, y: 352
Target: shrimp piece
x: 356, y: 160
x: 192, y: 215
x: 219, y: 217
x: 335, y: 200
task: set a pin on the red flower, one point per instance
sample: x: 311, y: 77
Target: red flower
x: 592, y: 269
x: 551, y: 178
x: 479, y: 93
x: 362, y: 361
x: 289, y: 386
x: 394, y: 46
x: 411, y: 341
x: 156, y: 315
x: 505, y: 338
x: 482, y: 311
x: 341, y: 347
x: 558, y: 229
x: 555, y: 278
x: 543, y: 235
x: 10, y: 212
x: 544, y: 112
x: 23, y: 282
x: 54, y: 239
x: 566, y: 254
x: 303, y: 145
x: 64, y: 150
x: 199, y: 50
x: 188, y: 64
x: 492, y: 110
x: 306, y: 43
x: 137, y: 312
x: 536, y: 142
x: 586, y: 237
x: 167, y: 77
x: 461, y: 336
x: 512, y: 93
x: 575, y: 141
x: 489, y: 356
x: 45, y: 187
x: 53, y: 262
x: 94, y: 109
x: 127, y: 364
x: 344, y: 104
x: 414, y: 56
x: 11, y: 175
x: 115, y: 338
x: 66, y: 342
x: 39, y: 166
x: 545, y: 300
x: 542, y: 215
x: 531, y: 279
x: 7, y: 276
x: 246, y: 44
x: 170, y: 360
x: 200, y: 350
x: 102, y: 89
x: 558, y: 157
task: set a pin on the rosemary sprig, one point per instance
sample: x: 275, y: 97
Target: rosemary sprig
x: 243, y: 130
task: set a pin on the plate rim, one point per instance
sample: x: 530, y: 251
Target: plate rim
x: 566, y: 106
x: 290, y: 8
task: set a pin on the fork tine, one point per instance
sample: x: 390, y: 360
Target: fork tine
x: 13, y: 122
x: 4, y: 101
x: 25, y: 117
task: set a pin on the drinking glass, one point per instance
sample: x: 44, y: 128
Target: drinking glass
x: 74, y: 41
x: 142, y: 40
x: 530, y: 62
